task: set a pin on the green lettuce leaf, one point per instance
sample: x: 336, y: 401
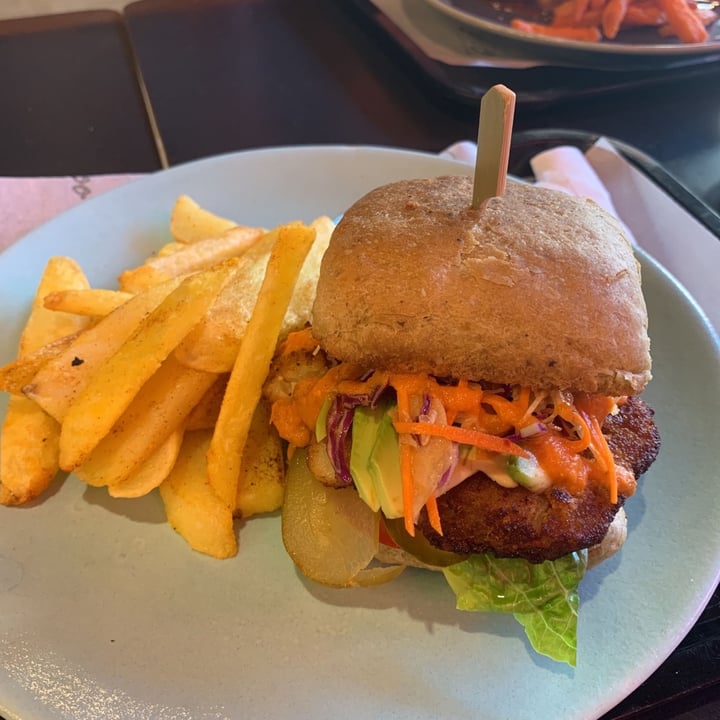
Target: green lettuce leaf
x: 543, y: 597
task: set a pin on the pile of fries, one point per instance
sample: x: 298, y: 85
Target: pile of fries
x: 158, y: 384
x: 593, y: 20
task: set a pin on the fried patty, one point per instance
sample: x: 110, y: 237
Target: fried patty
x: 481, y: 516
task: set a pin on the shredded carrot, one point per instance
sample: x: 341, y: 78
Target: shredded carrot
x: 406, y: 457
x: 406, y: 473
x: 605, y: 456
x: 512, y: 412
x: 465, y: 436
x: 433, y: 514
x: 571, y: 415
x: 461, y: 397
x: 487, y: 417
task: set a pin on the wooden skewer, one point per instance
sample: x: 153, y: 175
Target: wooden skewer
x: 497, y: 109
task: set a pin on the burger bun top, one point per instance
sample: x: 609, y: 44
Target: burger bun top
x: 535, y: 287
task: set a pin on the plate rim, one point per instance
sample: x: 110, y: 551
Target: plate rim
x: 210, y: 161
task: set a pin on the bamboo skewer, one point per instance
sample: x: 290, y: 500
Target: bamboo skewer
x: 497, y: 109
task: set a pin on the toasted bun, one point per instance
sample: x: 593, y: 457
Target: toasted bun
x: 537, y: 288
x: 612, y: 542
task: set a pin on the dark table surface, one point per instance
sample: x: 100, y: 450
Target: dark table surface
x: 170, y: 81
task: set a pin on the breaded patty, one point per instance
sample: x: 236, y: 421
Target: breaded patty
x: 481, y: 516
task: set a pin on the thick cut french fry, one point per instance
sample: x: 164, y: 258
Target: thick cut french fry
x: 17, y: 374
x: 29, y: 443
x: 201, y: 255
x: 91, y: 302
x: 215, y: 342
x: 205, y: 414
x: 156, y: 411
x: 191, y: 505
x: 29, y: 447
x: 169, y: 249
x: 261, y: 483
x: 189, y: 222
x: 253, y: 361
x: 152, y: 471
x: 44, y: 325
x: 300, y: 307
x: 61, y: 379
x: 112, y: 387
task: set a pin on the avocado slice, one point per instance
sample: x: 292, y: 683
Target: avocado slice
x: 384, y: 467
x: 526, y: 471
x: 375, y: 459
x: 364, y: 435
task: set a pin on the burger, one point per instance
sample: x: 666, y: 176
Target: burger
x: 472, y: 378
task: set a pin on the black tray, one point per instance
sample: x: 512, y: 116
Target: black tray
x: 533, y: 86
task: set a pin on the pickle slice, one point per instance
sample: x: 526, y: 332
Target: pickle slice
x: 419, y: 546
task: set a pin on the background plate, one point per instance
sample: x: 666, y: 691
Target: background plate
x: 105, y: 612
x: 494, y: 17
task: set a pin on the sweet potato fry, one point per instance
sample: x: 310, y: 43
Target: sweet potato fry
x: 587, y: 34
x: 683, y: 21
x: 613, y: 16
x: 643, y: 14
x: 579, y: 8
x: 595, y: 20
x: 563, y: 16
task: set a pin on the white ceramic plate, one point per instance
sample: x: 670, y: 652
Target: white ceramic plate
x: 105, y: 612
x: 494, y: 17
